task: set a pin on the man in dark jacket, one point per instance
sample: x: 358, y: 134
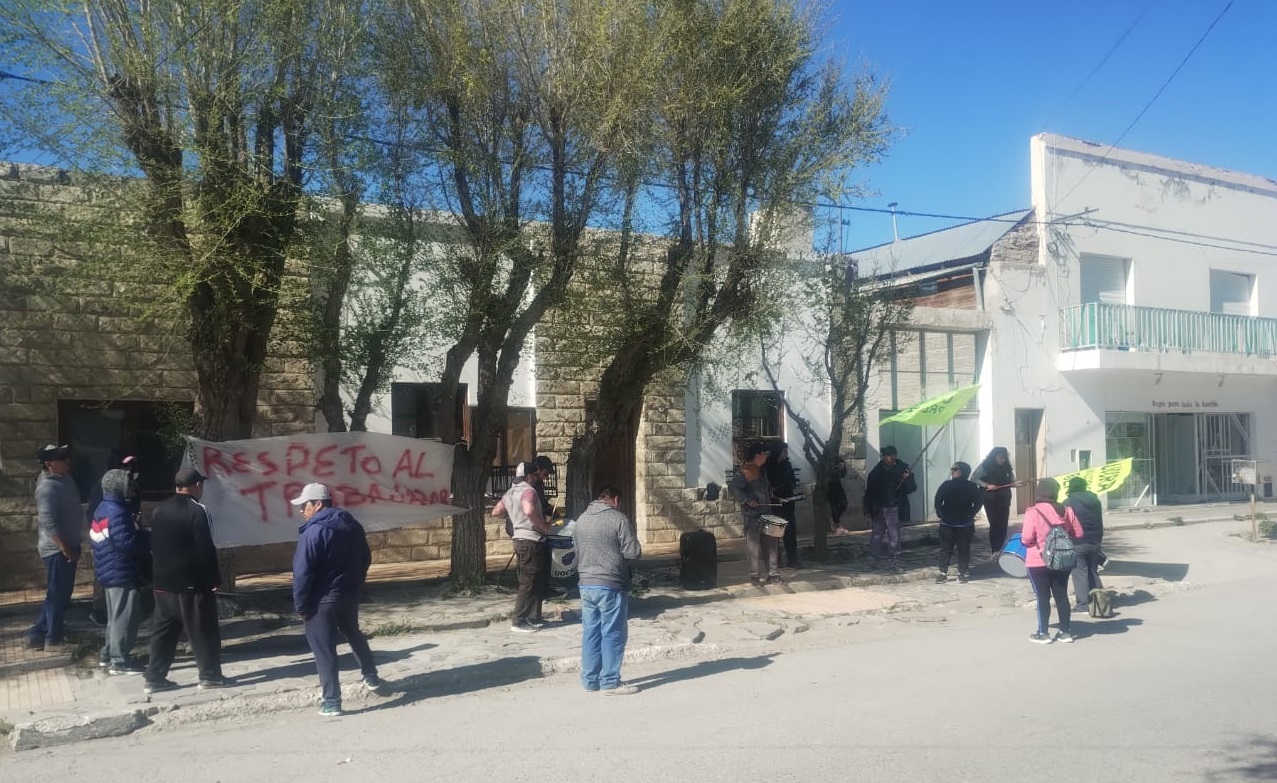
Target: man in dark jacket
x: 1089, y: 510
x: 958, y: 500
x: 186, y: 577
x: 889, y: 480
x: 329, y: 569
x: 118, y: 549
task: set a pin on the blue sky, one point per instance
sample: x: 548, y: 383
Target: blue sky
x: 971, y: 82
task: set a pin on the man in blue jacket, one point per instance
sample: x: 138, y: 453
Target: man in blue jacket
x: 329, y: 569
x: 118, y: 549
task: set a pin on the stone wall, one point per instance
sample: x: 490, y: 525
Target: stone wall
x: 67, y: 338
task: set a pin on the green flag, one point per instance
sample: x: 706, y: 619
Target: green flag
x: 935, y: 411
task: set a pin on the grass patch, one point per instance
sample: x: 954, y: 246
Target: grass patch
x: 395, y: 628
x: 5, y: 727
x: 1176, y: 520
x: 1267, y: 528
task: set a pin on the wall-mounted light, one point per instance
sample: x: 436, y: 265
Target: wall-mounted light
x: 1221, y: 381
x: 1157, y: 378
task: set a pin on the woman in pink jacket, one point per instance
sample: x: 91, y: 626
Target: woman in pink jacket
x: 1039, y: 518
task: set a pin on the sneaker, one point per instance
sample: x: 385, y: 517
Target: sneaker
x: 963, y: 578
x: 104, y: 663
x: 156, y: 687
x: 1041, y: 638
x: 330, y: 710
x: 1064, y: 636
x: 215, y: 682
x: 35, y: 644
x: 125, y: 668
x: 941, y: 578
x: 536, y: 625
x: 621, y: 690
x: 374, y: 684
x: 755, y: 581
x: 523, y: 628
x: 775, y: 579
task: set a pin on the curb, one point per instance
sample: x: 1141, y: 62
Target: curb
x: 63, y: 730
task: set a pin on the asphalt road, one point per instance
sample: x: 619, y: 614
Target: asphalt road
x: 1180, y: 687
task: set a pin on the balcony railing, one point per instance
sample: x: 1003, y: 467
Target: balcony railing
x: 1126, y: 328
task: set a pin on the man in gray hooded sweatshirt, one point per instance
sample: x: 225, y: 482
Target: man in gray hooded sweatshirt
x: 605, y: 549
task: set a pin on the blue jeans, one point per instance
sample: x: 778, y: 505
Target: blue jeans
x: 604, y: 631
x: 48, y: 624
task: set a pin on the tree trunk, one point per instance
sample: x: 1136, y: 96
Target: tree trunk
x: 469, y: 534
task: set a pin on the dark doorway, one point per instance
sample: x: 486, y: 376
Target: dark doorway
x: 1028, y: 445
x: 615, y: 464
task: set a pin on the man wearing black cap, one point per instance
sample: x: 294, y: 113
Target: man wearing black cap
x: 57, y: 502
x: 186, y: 579
x: 886, y: 484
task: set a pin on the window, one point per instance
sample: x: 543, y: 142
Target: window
x: 146, y: 429
x: 756, y: 416
x: 1105, y: 280
x: 516, y: 443
x: 1231, y: 292
x: 411, y: 413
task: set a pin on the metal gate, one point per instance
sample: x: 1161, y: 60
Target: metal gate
x: 1223, y: 437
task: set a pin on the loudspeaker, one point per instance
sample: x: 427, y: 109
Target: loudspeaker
x: 698, y: 560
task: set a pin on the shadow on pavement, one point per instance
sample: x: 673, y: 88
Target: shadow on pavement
x: 1083, y: 629
x: 1134, y: 599
x: 1253, y: 759
x: 702, y: 669
x: 458, y: 680
x: 1171, y: 572
x: 306, y: 666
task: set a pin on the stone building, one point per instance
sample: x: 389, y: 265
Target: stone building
x: 82, y: 363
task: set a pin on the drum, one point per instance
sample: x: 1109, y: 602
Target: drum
x: 1011, y: 561
x: 773, y: 525
x: 562, y: 556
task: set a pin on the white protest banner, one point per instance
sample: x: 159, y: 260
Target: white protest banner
x: 384, y: 480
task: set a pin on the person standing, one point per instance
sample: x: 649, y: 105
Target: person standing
x: 186, y: 578
x: 521, y: 505
x: 1089, y: 510
x: 606, y: 550
x: 889, y: 480
x: 837, y: 496
x: 1039, y: 519
x: 750, y: 488
x: 119, y: 547
x: 116, y: 459
x: 958, y: 500
x: 995, y: 475
x: 329, y: 570
x: 780, y: 474
x: 57, y: 504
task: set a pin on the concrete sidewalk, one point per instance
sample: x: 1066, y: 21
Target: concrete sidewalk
x: 428, y: 642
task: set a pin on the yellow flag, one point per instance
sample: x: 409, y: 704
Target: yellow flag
x: 1105, y: 478
x: 938, y: 410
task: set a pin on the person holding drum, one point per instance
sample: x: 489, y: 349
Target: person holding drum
x: 750, y: 488
x: 1044, y: 514
x: 997, y: 478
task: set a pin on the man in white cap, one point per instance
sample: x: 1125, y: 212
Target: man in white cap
x: 329, y: 569
x: 57, y: 503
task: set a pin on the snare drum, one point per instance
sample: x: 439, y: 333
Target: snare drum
x: 773, y: 525
x: 1011, y: 561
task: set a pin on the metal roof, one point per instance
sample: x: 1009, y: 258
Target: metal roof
x: 934, y: 249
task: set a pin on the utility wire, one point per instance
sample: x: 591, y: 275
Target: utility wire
x: 1112, y: 49
x: 1152, y: 100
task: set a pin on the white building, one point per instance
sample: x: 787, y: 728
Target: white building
x: 1132, y: 312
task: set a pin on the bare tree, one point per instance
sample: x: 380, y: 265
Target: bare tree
x: 849, y: 321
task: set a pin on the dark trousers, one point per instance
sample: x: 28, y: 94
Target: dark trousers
x: 1048, y: 584
x: 533, y: 572
x: 790, y: 540
x: 998, y: 513
x: 959, y: 537
x: 48, y: 626
x: 322, y: 629
x: 1086, y: 574
x: 196, y: 612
